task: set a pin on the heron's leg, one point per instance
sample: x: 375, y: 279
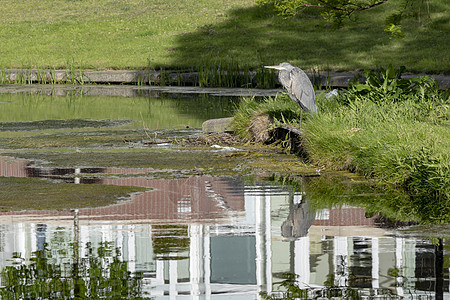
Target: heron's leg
x: 301, y: 116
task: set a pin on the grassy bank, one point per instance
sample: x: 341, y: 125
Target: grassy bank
x: 136, y: 34
x: 386, y: 131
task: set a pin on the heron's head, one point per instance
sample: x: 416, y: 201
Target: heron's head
x: 283, y: 66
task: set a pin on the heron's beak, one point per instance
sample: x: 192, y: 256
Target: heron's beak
x: 274, y: 67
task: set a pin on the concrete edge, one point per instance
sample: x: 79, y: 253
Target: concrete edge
x: 152, y: 77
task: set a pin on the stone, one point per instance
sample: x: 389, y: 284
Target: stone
x: 217, y: 125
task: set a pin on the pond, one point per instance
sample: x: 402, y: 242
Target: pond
x: 188, y: 232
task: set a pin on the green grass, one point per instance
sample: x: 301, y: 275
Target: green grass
x: 402, y: 141
x: 138, y: 34
x: 391, y: 142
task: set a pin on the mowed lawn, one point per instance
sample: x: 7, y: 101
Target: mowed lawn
x: 137, y: 34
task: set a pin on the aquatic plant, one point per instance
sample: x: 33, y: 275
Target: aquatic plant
x: 28, y: 75
x: 291, y: 290
x: 49, y: 195
x: 74, y: 75
x: 169, y: 239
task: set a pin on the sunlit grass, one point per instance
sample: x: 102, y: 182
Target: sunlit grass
x: 137, y: 34
x: 403, y: 143
x: 98, y: 34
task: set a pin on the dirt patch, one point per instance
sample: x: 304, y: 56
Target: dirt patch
x: 260, y: 128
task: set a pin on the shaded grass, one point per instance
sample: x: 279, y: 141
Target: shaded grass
x: 138, y: 34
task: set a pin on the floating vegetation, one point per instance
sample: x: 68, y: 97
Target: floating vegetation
x: 36, y: 193
x: 57, y: 124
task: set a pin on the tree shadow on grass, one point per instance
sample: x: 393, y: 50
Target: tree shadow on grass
x: 256, y: 36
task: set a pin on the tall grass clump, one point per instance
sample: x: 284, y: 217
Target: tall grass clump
x: 281, y: 110
x: 388, y: 128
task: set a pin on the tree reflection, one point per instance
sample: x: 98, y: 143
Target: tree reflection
x: 390, y: 204
x: 169, y: 239
x: 100, y: 274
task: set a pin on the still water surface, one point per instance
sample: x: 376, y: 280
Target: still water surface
x: 205, y: 237
x: 149, y: 109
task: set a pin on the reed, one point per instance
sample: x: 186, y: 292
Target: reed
x: 230, y: 73
x: 42, y: 75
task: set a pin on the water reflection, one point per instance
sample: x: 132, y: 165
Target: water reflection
x: 134, y: 91
x: 204, y: 236
x: 147, y: 110
x: 207, y: 237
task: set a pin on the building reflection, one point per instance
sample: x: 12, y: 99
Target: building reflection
x: 203, y: 237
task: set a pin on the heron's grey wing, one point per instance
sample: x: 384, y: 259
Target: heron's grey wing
x: 302, y: 90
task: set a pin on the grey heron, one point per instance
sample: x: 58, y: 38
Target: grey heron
x: 298, y: 86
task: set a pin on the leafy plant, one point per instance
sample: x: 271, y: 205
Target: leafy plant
x: 387, y: 85
x: 393, y: 26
